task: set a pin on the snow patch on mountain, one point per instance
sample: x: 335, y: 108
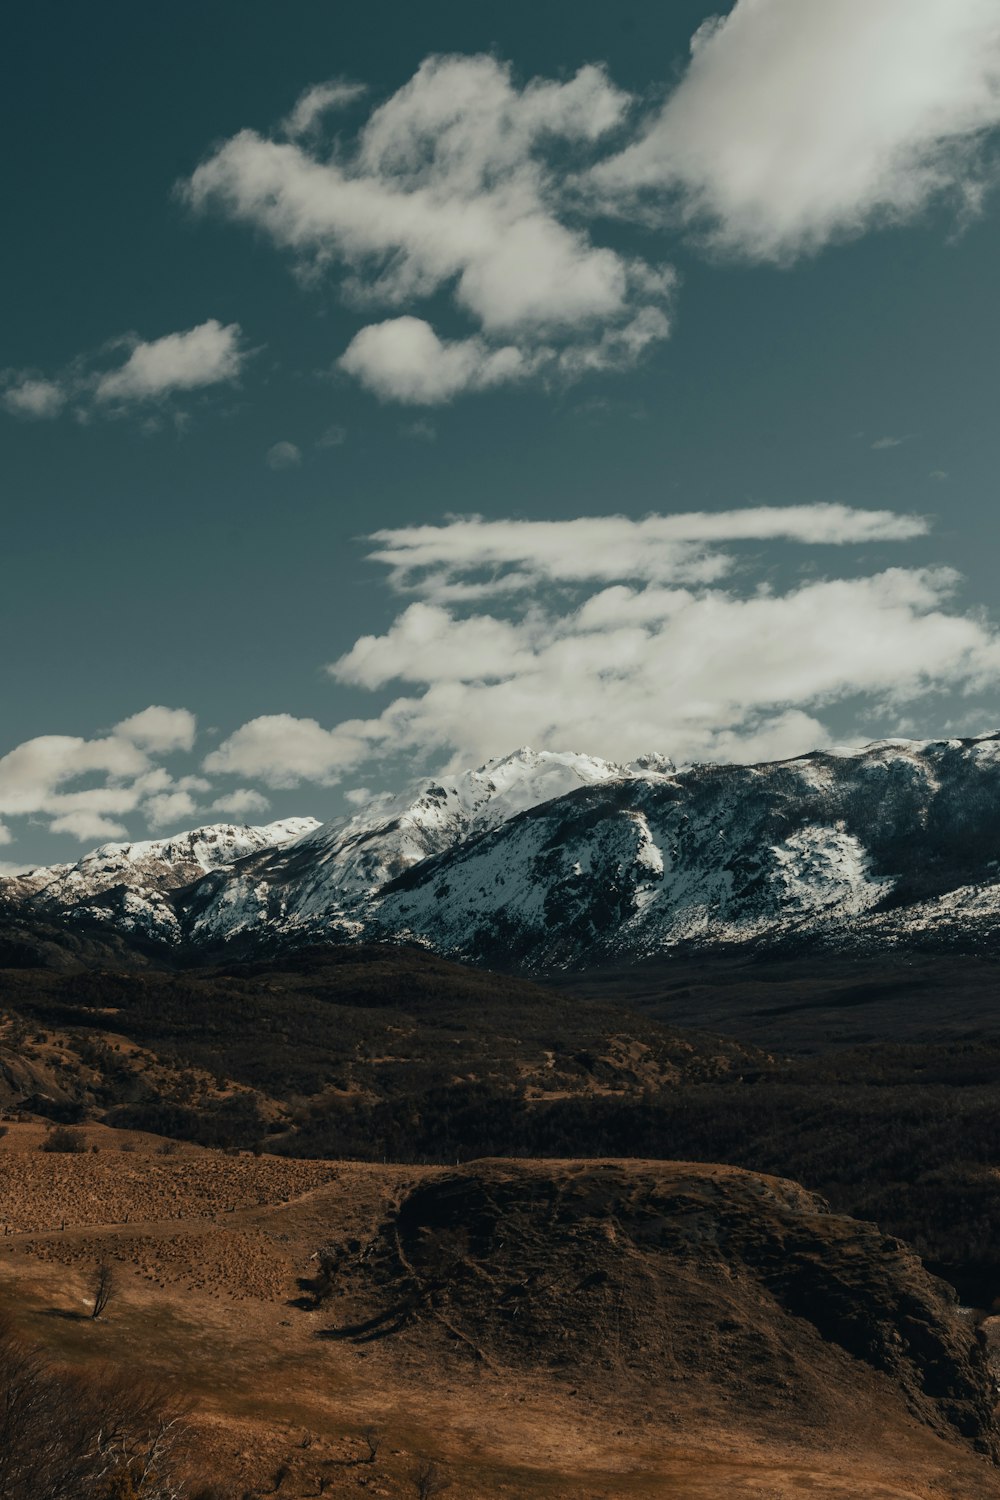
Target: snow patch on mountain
x: 818, y: 868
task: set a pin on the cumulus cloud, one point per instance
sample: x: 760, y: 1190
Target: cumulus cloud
x: 169, y: 808
x: 84, y: 787
x: 621, y: 636
x: 283, y: 455
x: 284, y: 751
x: 802, y: 121
x: 6, y: 837
x: 206, y: 355
x: 244, y: 802
x: 160, y: 729
x: 404, y: 360
x: 455, y: 184
x: 153, y: 372
x: 88, y: 827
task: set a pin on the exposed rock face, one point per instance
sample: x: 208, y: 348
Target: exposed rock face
x: 661, y: 1274
x: 547, y: 860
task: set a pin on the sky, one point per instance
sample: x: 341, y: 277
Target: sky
x: 385, y: 388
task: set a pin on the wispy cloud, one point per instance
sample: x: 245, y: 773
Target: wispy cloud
x: 319, y: 100
x: 470, y: 557
x: 32, y: 396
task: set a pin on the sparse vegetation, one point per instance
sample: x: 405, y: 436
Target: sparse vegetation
x: 104, y: 1286
x: 66, y: 1437
x: 62, y: 1138
x: 428, y: 1480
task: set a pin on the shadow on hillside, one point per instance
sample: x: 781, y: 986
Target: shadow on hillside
x: 380, y: 1327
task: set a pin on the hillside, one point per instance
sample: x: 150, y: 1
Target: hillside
x: 529, y: 1330
x: 386, y: 1052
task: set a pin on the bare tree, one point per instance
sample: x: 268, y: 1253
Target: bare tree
x: 67, y: 1437
x: 105, y: 1285
x: 373, y: 1440
x: 429, y: 1481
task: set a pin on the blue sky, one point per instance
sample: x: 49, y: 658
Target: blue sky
x: 696, y: 316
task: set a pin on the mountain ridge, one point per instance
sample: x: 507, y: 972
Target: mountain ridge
x: 547, y: 860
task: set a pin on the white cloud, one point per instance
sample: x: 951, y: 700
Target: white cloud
x: 284, y: 751
x: 882, y: 443
x: 160, y: 729
x: 31, y: 773
x: 404, y: 360
x: 455, y: 184
x: 32, y: 396
x: 6, y: 837
x: 422, y: 646
x: 241, y: 803
x: 88, y: 827
x: 702, y: 674
x: 168, y: 808
x: 447, y: 562
x: 359, y: 796
x: 206, y: 355
x: 313, y: 103
x: 802, y: 121
x: 54, y: 776
x: 283, y: 455
x: 639, y: 647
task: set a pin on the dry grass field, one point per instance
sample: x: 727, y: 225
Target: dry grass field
x: 219, y: 1293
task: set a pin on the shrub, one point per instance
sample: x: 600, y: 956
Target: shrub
x: 62, y: 1138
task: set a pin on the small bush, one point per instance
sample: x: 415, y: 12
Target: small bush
x: 62, y: 1138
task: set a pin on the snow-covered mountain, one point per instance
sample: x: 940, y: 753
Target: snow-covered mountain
x: 129, y: 886
x: 544, y: 859
x: 328, y: 879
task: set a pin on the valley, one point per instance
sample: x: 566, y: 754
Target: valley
x: 592, y: 1212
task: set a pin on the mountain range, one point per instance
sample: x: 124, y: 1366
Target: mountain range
x: 551, y: 860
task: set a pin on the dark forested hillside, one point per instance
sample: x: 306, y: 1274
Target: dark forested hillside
x: 387, y: 1052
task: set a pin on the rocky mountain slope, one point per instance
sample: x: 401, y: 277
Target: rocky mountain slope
x: 548, y: 860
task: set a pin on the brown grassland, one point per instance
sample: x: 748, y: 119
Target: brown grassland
x: 290, y: 1362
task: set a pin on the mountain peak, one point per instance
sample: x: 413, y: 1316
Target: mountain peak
x: 551, y: 858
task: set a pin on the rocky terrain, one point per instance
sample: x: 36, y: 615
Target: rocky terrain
x: 550, y: 861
